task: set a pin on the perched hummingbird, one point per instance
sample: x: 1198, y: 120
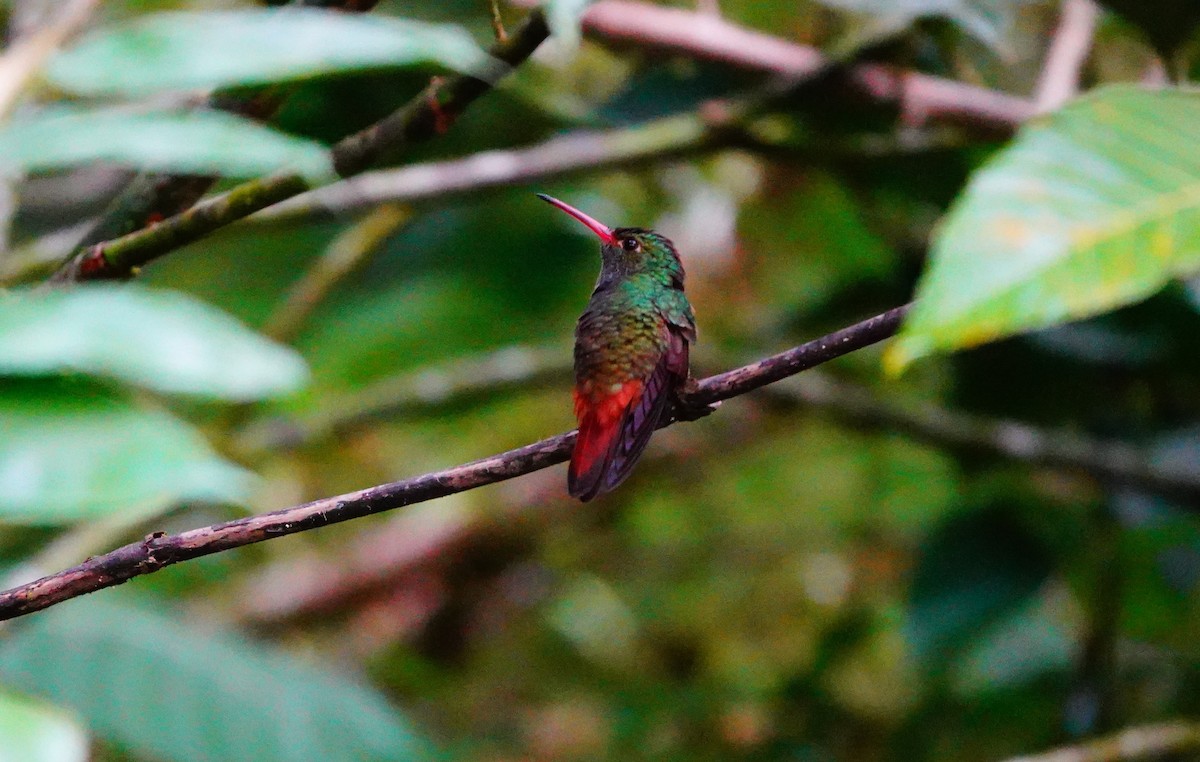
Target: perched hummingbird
x: 631, y: 352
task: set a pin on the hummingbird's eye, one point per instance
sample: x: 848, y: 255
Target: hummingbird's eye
x: 630, y: 244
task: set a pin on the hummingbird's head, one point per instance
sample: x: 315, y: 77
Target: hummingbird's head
x: 626, y: 251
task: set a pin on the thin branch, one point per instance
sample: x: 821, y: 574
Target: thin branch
x: 1140, y: 742
x: 293, y: 589
x: 158, y: 551
x: 519, y: 367
x: 425, y: 116
x: 919, y: 97
x: 574, y: 152
x: 348, y: 252
x: 1059, y: 80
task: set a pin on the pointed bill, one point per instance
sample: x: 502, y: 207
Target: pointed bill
x: 597, y: 227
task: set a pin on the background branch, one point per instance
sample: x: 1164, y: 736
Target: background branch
x: 574, y: 152
x: 1113, y: 461
x: 422, y: 118
x: 157, y: 551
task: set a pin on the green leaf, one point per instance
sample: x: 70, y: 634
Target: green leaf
x: 197, y: 142
x: 182, y: 50
x: 173, y: 691
x: 563, y: 17
x: 72, y: 451
x: 1092, y: 208
x: 162, y: 340
x: 31, y: 731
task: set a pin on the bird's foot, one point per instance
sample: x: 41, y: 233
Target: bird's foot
x: 686, y: 408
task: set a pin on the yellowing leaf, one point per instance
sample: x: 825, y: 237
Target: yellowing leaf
x: 1091, y: 208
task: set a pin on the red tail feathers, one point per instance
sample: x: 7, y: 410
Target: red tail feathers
x: 600, y: 425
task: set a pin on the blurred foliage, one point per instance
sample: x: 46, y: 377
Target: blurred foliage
x: 775, y: 582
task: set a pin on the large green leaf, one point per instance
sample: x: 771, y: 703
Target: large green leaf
x: 194, y: 50
x: 173, y: 691
x: 72, y: 451
x: 198, y: 142
x: 162, y: 340
x: 1091, y: 208
x: 31, y: 731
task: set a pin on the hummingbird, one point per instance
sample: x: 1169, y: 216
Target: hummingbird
x: 631, y: 352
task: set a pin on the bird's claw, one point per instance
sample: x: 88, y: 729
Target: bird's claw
x: 687, y: 410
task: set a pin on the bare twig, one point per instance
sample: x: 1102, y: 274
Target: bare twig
x: 920, y: 97
x: 158, y: 551
x: 297, y: 589
x: 1132, y: 743
x: 346, y: 254
x: 424, y: 117
x: 1059, y: 80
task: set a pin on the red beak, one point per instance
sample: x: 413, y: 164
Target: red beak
x: 600, y: 229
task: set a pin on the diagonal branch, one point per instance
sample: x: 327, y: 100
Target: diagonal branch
x: 428, y: 114
x: 157, y: 551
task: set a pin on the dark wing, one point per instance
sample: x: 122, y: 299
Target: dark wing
x: 645, y: 413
